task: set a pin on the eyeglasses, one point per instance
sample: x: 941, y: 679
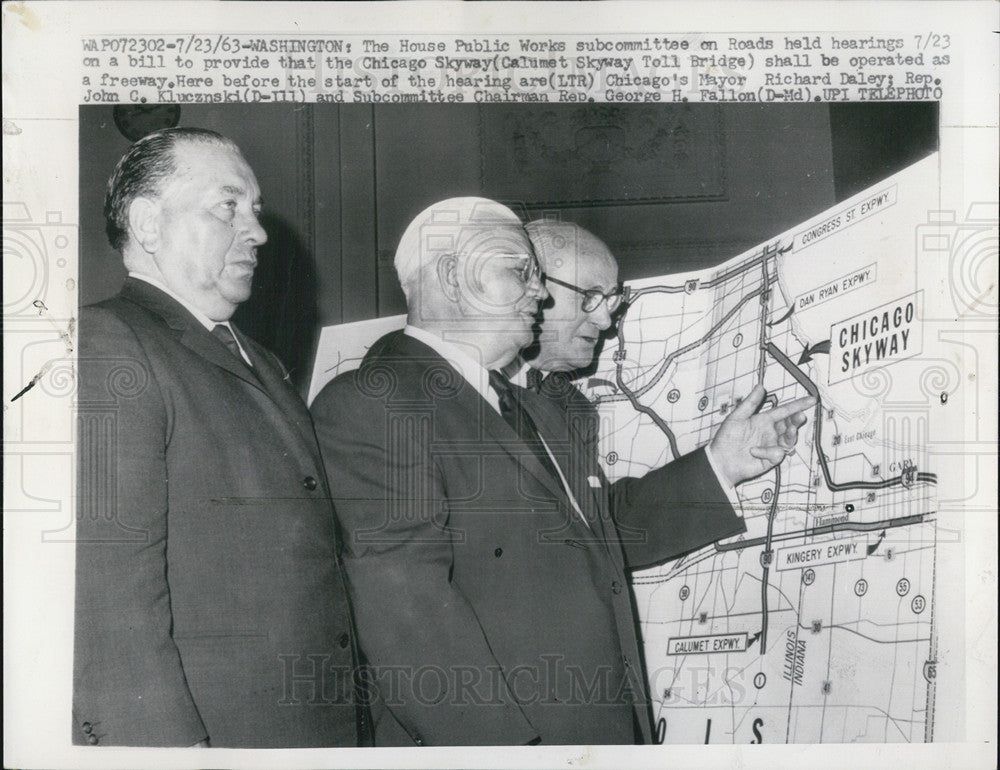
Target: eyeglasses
x: 526, y: 266
x: 530, y: 270
x: 592, y: 298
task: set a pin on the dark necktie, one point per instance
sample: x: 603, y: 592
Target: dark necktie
x: 555, y: 386
x: 534, y: 380
x: 518, y: 419
x: 224, y: 334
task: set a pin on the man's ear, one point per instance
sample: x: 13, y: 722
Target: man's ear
x: 144, y: 223
x: 447, y: 274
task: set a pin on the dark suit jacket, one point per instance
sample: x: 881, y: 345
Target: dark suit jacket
x: 671, y: 510
x: 489, y: 611
x: 209, y: 597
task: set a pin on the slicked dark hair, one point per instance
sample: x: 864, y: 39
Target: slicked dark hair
x: 142, y: 170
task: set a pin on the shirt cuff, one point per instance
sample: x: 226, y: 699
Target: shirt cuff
x: 728, y: 488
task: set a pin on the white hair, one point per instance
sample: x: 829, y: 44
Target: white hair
x: 445, y: 228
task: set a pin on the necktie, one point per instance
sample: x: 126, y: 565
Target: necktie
x: 556, y: 386
x: 534, y: 380
x: 224, y: 335
x: 518, y: 419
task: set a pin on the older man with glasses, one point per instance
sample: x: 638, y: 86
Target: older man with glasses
x: 683, y: 505
x: 487, y: 579
x: 487, y: 604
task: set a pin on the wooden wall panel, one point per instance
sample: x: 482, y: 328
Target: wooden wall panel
x: 328, y: 203
x: 670, y: 191
x: 724, y: 179
x: 358, y: 212
x: 602, y: 154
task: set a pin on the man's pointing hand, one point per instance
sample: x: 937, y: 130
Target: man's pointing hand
x: 748, y: 444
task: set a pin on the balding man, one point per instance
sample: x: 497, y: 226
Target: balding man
x: 581, y: 277
x: 487, y: 606
x: 687, y: 503
x: 488, y: 583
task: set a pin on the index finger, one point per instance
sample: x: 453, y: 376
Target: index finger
x: 792, y: 407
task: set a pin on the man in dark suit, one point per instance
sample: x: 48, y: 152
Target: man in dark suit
x: 581, y: 278
x: 489, y: 586
x: 210, y: 605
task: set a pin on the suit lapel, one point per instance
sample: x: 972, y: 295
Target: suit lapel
x: 479, y: 412
x: 281, y: 391
x: 496, y: 428
x: 579, y: 428
x: 194, y: 336
x: 554, y: 423
x: 198, y: 339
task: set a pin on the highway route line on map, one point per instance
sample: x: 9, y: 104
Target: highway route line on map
x: 767, y: 348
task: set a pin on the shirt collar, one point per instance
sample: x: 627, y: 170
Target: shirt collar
x: 203, y: 319
x: 470, y: 369
x: 520, y: 376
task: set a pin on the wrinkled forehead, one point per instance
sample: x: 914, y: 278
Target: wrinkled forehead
x: 597, y: 267
x: 587, y: 264
x: 214, y: 166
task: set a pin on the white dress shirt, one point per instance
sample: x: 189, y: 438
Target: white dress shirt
x: 479, y: 378
x: 203, y: 319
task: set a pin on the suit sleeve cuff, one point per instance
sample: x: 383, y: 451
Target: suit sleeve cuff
x: 728, y: 488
